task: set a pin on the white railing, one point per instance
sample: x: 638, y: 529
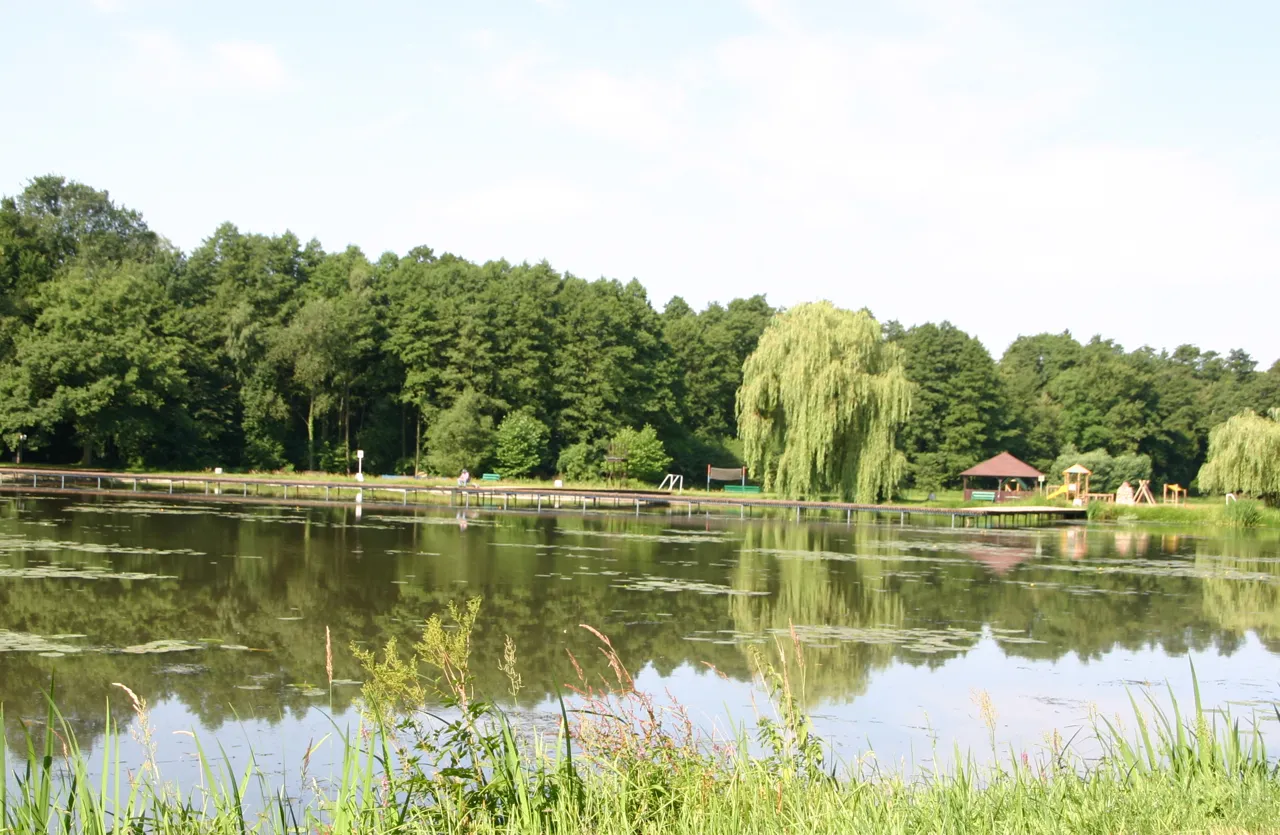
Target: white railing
x: 673, y: 482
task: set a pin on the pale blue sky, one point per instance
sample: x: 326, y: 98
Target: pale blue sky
x: 1096, y: 165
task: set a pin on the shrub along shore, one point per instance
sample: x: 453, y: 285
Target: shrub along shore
x: 624, y: 762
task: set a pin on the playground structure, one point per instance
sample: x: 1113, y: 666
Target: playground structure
x: 1075, y: 487
x: 1075, y: 484
x: 1174, y: 494
x: 1126, y: 495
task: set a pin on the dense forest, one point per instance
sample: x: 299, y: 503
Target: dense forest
x: 264, y: 352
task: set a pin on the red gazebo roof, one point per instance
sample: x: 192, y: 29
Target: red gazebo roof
x: 1003, y: 465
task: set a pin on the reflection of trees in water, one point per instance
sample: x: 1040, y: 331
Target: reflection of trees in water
x: 804, y: 591
x: 1242, y: 584
x: 257, y: 573
x: 249, y: 574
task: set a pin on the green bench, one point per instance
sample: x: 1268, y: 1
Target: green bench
x: 983, y: 496
x: 741, y: 488
x: 491, y: 477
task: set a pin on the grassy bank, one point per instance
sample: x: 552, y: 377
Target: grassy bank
x: 623, y: 762
x: 1245, y: 513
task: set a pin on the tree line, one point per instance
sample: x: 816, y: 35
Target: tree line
x: 263, y: 352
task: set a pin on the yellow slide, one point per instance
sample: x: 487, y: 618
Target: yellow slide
x: 1061, y: 492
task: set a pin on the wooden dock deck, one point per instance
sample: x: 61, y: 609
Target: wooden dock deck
x: 404, y: 492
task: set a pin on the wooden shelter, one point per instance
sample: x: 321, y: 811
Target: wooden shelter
x: 1175, y: 494
x: 1014, y: 479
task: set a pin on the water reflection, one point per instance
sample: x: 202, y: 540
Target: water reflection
x: 246, y: 594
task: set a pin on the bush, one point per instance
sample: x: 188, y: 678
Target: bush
x: 647, y: 458
x: 1108, y: 472
x: 461, y: 437
x: 1101, y: 511
x: 1244, y: 513
x: 522, y: 444
x: 579, y: 462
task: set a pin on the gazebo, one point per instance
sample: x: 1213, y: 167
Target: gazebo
x: 1010, y: 474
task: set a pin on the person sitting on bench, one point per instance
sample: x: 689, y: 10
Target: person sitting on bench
x: 464, y: 479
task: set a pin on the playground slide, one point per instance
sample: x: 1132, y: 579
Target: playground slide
x: 1060, y: 493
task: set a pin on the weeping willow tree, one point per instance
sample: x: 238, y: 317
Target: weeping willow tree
x: 821, y: 401
x: 1244, y: 457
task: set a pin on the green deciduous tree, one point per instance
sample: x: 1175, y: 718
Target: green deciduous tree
x: 822, y: 400
x: 102, y: 356
x: 1244, y: 457
x: 461, y: 437
x: 959, y: 409
x: 579, y: 462
x: 645, y: 455
x: 522, y: 444
x: 316, y: 346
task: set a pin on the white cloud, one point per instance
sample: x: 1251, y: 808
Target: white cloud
x: 897, y: 170
x: 159, y: 60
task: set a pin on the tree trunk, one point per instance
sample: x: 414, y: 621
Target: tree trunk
x: 311, y: 435
x: 417, y: 443
x: 87, y: 460
x: 346, y: 431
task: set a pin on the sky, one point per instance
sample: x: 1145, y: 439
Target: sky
x: 1012, y: 167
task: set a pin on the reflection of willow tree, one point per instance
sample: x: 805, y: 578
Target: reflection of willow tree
x: 1242, y: 584
x: 832, y: 595
x: 274, y: 578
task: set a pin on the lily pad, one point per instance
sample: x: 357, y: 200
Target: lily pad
x: 161, y: 647
x: 26, y: 642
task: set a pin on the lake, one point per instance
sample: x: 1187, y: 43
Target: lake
x: 216, y: 615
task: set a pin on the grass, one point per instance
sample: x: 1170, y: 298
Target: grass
x: 622, y: 762
x: 1244, y: 513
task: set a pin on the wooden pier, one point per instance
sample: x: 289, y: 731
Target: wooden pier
x: 404, y: 492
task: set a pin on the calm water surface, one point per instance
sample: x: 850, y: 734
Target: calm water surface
x: 216, y: 615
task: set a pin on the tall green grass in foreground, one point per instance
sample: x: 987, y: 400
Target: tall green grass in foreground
x: 622, y: 762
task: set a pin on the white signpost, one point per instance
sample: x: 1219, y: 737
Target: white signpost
x: 359, y: 465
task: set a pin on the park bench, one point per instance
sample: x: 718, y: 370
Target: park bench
x: 491, y: 477
x: 741, y: 488
x: 983, y: 495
